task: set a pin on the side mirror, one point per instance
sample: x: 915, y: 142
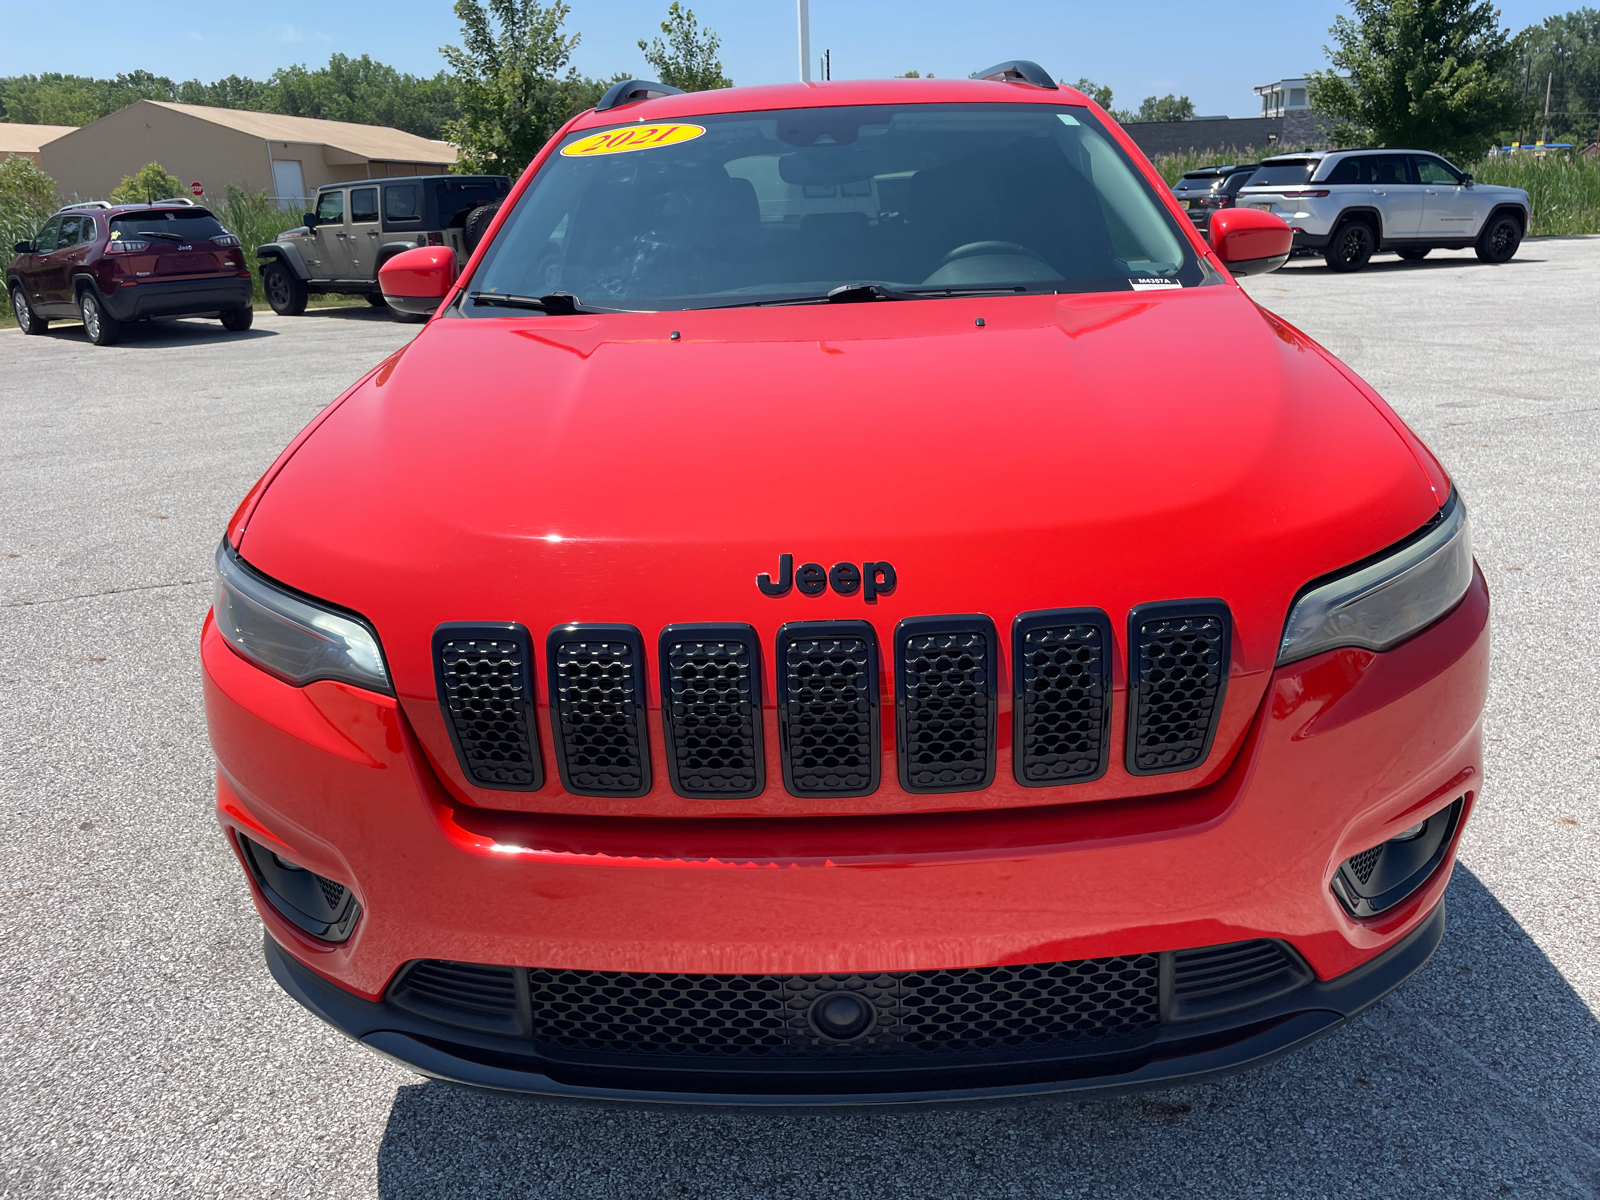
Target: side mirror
x: 1250, y: 241
x: 414, y: 281
x: 309, y: 220
x: 23, y: 248
x: 1466, y: 180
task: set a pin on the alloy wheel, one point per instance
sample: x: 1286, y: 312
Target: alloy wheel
x: 277, y: 289
x: 91, y: 317
x: 1500, y: 237
x: 19, y: 305
x: 1354, y: 245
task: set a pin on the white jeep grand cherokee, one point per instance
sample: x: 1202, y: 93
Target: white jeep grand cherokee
x: 1348, y: 204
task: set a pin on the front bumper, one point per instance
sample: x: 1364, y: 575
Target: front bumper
x: 1347, y: 749
x: 1171, y: 1054
x: 179, y: 298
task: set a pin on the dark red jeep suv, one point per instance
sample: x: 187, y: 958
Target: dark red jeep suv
x: 111, y: 264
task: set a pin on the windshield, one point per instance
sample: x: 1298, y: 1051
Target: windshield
x: 188, y: 224
x: 1279, y: 174
x: 762, y: 207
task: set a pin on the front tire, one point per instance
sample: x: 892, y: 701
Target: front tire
x: 1500, y: 238
x: 103, y: 329
x: 1413, y: 255
x: 1351, y: 248
x: 27, y: 320
x: 238, y: 320
x: 285, y: 294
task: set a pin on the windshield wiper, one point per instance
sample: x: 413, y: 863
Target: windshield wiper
x: 160, y: 233
x: 857, y: 293
x: 556, y: 304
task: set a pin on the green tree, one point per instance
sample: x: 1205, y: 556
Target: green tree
x: 509, y: 85
x: 27, y: 198
x: 912, y: 75
x: 688, y: 58
x: 1097, y: 92
x: 1162, y: 108
x: 1562, y: 54
x: 367, y: 93
x: 151, y: 182
x: 1428, y: 74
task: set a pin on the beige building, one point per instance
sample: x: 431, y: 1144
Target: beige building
x: 286, y: 157
x: 26, y: 139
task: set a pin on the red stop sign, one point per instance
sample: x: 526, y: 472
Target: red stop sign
x: 197, y: 189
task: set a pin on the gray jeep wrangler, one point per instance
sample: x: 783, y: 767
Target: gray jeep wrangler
x: 358, y: 226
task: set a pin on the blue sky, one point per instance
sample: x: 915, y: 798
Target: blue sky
x: 1212, y: 52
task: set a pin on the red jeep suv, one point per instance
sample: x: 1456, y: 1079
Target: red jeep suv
x: 111, y: 264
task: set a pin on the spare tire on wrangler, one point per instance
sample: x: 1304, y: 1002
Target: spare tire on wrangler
x: 478, y: 223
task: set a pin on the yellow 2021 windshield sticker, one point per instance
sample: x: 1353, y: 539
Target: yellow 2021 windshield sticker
x: 634, y: 137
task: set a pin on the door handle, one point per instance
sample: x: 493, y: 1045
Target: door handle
x: 1431, y: 192
x: 1376, y: 192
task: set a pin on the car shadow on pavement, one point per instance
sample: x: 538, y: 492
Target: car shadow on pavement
x: 1478, y: 1078
x: 164, y: 335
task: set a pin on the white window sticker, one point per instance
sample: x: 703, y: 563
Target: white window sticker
x: 1153, y: 283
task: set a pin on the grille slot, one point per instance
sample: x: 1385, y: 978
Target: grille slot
x: 1061, y: 669
x: 1177, y: 676
x: 915, y: 1013
x: 711, y: 710
x: 827, y: 683
x: 1209, y: 980
x: 946, y: 704
x: 484, y: 677
x: 598, y: 710
x: 476, y: 996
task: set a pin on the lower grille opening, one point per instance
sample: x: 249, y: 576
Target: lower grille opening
x: 1381, y: 876
x: 1211, y: 980
x: 470, y: 995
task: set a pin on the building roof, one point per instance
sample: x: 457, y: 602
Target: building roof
x: 26, y: 139
x: 376, y: 142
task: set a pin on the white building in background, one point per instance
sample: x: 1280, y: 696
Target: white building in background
x: 1284, y: 97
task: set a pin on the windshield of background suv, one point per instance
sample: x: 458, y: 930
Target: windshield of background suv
x: 187, y: 223
x: 1280, y: 174
x: 751, y: 208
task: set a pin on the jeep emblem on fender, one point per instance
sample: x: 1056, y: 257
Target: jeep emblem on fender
x: 871, y: 579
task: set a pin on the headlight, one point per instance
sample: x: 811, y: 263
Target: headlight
x: 292, y: 636
x: 1380, y: 603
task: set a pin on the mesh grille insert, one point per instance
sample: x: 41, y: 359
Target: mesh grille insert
x: 946, y: 703
x: 1062, y: 668
x: 1361, y: 865
x: 828, y: 701
x: 914, y: 1012
x: 597, y: 694
x: 711, y: 707
x: 1178, y: 671
x: 485, y: 682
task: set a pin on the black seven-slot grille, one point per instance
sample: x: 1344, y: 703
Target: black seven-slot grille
x: 948, y: 703
x: 1061, y: 675
x: 827, y: 679
x: 597, y: 703
x: 1177, y: 673
x: 1049, y: 1008
x: 711, y: 710
x: 485, y: 683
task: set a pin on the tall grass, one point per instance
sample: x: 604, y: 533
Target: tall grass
x: 1172, y: 166
x: 253, y: 219
x: 1564, y: 192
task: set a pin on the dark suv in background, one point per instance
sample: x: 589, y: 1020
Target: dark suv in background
x: 1204, y: 191
x: 110, y: 264
x: 356, y: 227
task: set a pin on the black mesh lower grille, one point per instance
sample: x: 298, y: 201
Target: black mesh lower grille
x: 1178, y: 668
x: 485, y: 681
x: 915, y: 1012
x: 1062, y: 666
x: 711, y: 710
x: 334, y: 892
x: 597, y: 701
x: 1361, y: 865
x: 828, y: 701
x: 946, y: 703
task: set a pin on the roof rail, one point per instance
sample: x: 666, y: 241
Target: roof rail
x: 175, y: 200
x: 86, y: 204
x: 1018, y: 70
x: 629, y: 90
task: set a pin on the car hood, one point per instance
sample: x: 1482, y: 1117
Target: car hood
x: 1004, y: 454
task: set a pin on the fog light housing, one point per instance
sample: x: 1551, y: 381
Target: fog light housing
x: 1382, y: 876
x: 320, y: 906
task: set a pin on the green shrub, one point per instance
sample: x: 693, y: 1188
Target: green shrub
x: 1172, y: 166
x: 254, y: 220
x: 152, y: 182
x: 27, y: 200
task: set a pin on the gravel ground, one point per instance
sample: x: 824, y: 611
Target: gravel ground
x: 144, y: 1051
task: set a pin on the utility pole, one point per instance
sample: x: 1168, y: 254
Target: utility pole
x: 1549, y: 79
x: 804, y: 14
x: 827, y: 64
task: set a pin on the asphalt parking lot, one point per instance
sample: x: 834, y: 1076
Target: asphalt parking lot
x: 144, y: 1050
